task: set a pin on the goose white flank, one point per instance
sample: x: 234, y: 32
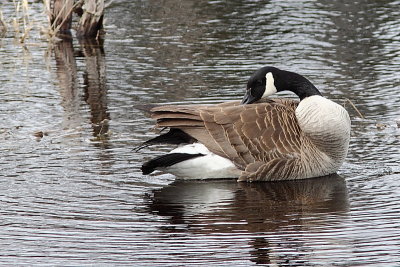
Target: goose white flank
x: 258, y: 139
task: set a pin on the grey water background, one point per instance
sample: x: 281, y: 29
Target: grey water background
x: 71, y: 190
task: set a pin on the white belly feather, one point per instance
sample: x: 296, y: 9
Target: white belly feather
x: 208, y: 166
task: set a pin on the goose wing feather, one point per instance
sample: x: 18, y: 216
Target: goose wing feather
x: 263, y: 139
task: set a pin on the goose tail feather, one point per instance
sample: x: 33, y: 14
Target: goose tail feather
x: 167, y: 160
x: 173, y: 137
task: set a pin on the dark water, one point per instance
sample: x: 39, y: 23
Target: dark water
x: 71, y: 190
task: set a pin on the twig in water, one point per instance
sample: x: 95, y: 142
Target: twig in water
x: 355, y: 108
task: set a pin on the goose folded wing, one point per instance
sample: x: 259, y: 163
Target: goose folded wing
x: 249, y: 135
x: 258, y: 132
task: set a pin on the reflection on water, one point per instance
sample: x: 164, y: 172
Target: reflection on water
x: 261, y: 210
x: 94, y: 81
x: 95, y: 85
x: 71, y: 190
x: 252, y: 207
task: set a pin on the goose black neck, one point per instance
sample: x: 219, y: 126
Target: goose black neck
x: 300, y: 85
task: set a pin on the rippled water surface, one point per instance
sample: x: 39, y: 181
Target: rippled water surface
x: 71, y: 189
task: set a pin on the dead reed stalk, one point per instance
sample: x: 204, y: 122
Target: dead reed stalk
x: 355, y: 108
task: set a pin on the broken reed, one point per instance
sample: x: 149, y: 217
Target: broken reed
x: 20, y: 23
x: 355, y: 108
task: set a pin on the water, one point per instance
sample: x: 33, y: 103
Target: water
x: 71, y: 190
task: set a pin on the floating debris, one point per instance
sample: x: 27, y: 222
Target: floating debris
x: 381, y: 126
x: 40, y: 134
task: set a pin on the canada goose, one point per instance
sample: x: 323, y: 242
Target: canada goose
x: 259, y: 139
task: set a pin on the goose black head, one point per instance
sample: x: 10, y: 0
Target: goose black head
x: 269, y: 80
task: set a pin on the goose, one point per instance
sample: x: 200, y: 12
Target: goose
x: 257, y: 139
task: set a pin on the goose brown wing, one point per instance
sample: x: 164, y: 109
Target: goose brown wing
x: 249, y: 135
x: 188, y: 119
x: 256, y: 133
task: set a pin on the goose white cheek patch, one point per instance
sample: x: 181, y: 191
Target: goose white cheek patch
x: 270, y: 88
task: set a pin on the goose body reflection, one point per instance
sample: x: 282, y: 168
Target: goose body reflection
x: 264, y: 210
x: 263, y: 206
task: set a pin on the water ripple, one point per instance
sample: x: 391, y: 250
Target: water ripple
x: 72, y: 192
